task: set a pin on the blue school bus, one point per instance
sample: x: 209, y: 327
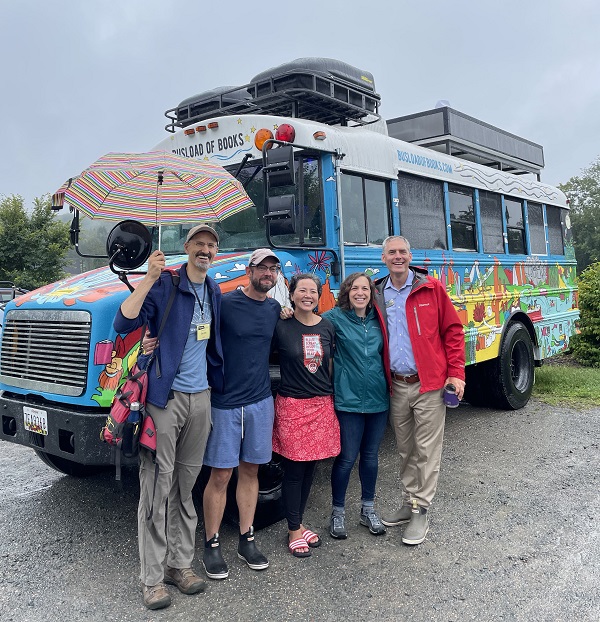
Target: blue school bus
x: 330, y: 180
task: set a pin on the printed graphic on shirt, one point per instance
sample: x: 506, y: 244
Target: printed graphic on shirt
x: 313, y: 352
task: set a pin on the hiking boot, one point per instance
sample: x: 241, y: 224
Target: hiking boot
x: 248, y: 551
x: 212, y: 560
x: 337, y: 526
x: 417, y: 528
x: 397, y: 517
x: 369, y: 518
x: 156, y: 596
x: 186, y: 580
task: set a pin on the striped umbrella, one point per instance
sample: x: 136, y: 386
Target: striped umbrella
x: 156, y: 188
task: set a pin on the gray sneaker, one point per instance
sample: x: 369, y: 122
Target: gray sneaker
x: 337, y: 527
x: 156, y: 596
x: 417, y: 528
x: 397, y: 517
x: 369, y: 519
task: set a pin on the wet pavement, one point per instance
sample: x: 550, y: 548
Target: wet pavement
x: 514, y: 536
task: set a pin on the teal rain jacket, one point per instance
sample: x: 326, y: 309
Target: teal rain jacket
x: 359, y: 377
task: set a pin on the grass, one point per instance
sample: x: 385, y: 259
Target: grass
x: 568, y: 385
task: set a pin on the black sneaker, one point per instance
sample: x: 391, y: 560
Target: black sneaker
x: 213, y: 562
x: 248, y: 551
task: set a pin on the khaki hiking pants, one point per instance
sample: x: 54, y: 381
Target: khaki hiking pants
x: 418, y: 421
x: 182, y: 429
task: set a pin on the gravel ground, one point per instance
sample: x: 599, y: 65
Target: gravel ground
x: 514, y: 536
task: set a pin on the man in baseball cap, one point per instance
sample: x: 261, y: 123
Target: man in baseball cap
x: 243, y: 413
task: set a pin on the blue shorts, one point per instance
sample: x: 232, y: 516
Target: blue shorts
x: 241, y: 434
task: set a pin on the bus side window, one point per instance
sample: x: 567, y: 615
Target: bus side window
x: 422, y: 218
x: 490, y: 211
x: 515, y: 227
x: 365, y: 210
x: 462, y: 218
x: 537, y: 234
x: 555, y: 230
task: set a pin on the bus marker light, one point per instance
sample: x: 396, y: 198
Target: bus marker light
x: 201, y: 128
x: 319, y: 136
x: 261, y: 137
x: 188, y: 132
x: 213, y: 126
x: 286, y: 133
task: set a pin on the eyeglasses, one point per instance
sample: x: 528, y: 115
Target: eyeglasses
x: 264, y: 269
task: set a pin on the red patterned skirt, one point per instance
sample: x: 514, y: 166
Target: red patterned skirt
x: 306, y: 429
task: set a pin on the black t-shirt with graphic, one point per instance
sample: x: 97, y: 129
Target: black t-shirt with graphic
x: 304, y: 356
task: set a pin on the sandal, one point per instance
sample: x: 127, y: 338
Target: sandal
x: 299, y: 543
x: 310, y: 536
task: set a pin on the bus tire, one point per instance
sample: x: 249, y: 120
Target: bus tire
x: 68, y: 467
x: 269, y: 506
x: 512, y: 373
x: 475, y: 380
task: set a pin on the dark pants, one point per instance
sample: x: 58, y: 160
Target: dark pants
x: 360, y: 432
x: 297, y: 481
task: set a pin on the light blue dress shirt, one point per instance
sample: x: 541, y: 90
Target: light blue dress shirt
x: 402, y: 360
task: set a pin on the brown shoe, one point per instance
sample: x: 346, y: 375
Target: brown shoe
x: 186, y: 580
x: 156, y: 596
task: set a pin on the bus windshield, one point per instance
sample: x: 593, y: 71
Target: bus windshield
x: 247, y: 230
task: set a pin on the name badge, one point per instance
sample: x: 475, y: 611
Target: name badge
x: 202, y: 332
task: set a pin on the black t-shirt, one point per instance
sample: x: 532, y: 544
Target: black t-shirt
x: 304, y: 356
x: 247, y: 327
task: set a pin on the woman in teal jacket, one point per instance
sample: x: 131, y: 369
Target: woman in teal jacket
x: 361, y: 380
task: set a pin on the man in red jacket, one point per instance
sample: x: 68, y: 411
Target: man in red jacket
x: 427, y: 352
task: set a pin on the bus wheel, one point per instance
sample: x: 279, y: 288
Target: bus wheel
x: 476, y: 392
x: 512, y: 374
x: 68, y: 467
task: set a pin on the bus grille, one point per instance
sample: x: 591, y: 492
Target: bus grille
x: 46, y: 350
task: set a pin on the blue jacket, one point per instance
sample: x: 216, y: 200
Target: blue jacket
x: 174, y: 335
x: 360, y: 380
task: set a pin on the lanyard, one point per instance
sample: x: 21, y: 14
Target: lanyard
x: 200, y: 304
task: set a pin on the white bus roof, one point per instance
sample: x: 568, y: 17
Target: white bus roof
x: 366, y: 150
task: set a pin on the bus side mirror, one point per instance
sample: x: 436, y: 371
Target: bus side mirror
x: 279, y: 166
x: 129, y: 245
x: 281, y: 215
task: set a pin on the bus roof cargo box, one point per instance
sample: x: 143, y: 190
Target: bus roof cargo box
x: 318, y: 89
x: 215, y: 102
x: 455, y: 133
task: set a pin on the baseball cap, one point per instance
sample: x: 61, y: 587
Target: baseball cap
x: 197, y: 229
x: 261, y: 254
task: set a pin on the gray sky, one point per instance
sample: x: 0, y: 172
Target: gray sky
x: 81, y: 78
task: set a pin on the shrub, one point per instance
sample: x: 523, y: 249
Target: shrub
x: 586, y: 345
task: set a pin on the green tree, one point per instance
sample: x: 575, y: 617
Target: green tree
x: 584, y: 197
x: 33, y: 245
x: 586, y: 345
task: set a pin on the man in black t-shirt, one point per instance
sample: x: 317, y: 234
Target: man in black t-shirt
x: 242, y: 415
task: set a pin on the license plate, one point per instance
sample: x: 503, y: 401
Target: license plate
x: 36, y: 420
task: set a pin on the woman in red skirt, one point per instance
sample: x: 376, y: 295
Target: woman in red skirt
x: 306, y: 428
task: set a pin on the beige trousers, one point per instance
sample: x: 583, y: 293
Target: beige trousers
x: 418, y: 421
x: 182, y: 430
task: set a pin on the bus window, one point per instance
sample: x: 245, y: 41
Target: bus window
x: 462, y: 218
x: 422, y: 219
x: 515, y: 226
x: 353, y: 210
x: 312, y: 202
x: 555, y: 230
x: 378, y: 213
x: 490, y: 211
x: 365, y: 209
x: 537, y: 234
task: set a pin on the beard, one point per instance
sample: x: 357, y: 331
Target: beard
x: 203, y: 267
x: 262, y: 284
